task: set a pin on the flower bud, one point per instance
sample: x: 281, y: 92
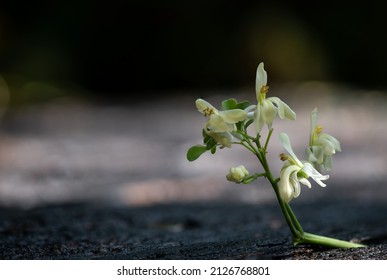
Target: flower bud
x: 237, y: 174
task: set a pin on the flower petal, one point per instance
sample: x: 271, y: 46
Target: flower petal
x: 315, y: 154
x: 217, y: 124
x: 223, y: 138
x: 334, y: 142
x: 287, y: 189
x: 295, y: 184
x: 284, y: 138
x: 305, y: 182
x: 312, y: 172
x: 233, y: 116
x: 313, y: 121
x: 261, y: 79
x: 204, y: 106
x: 269, y: 111
x: 284, y: 110
x: 258, y: 119
x: 327, y: 165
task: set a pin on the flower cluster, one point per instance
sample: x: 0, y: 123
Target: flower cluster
x: 221, y: 125
x: 229, y: 126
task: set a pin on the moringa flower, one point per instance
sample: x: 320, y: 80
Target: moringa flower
x: 295, y: 172
x: 237, y: 174
x: 268, y: 108
x: 220, y: 124
x: 322, y: 146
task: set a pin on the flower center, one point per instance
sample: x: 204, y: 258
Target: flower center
x: 284, y: 157
x: 316, y: 132
x: 264, y: 89
x: 319, y: 129
x: 262, y: 93
x: 208, y: 112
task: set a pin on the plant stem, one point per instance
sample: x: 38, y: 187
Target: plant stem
x: 299, y: 236
x: 309, y: 238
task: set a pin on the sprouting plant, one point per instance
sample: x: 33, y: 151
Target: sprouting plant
x: 229, y: 126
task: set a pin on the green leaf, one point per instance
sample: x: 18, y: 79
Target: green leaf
x: 229, y: 104
x: 195, y: 152
x: 232, y: 103
x: 243, y: 105
x: 210, y: 143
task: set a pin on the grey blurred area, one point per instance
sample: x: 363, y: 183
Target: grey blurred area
x: 97, y: 99
x: 68, y: 150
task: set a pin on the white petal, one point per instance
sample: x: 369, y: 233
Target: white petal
x: 295, y: 184
x: 261, y: 79
x: 258, y: 119
x: 335, y: 143
x: 233, y: 116
x: 284, y: 138
x: 217, y: 124
x: 316, y: 176
x: 203, y: 105
x: 313, y: 119
x: 305, y: 182
x: 315, y: 154
x: 284, y: 110
x: 269, y: 111
x: 250, y: 111
x: 223, y: 138
x: 250, y: 108
x: 328, y: 163
x: 286, y: 189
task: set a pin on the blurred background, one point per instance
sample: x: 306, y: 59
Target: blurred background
x: 97, y: 98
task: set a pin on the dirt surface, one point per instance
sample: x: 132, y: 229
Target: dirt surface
x: 187, y: 231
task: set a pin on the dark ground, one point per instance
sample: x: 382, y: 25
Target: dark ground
x: 79, y: 181
x: 191, y: 231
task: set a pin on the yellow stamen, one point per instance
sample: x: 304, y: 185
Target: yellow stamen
x: 208, y: 112
x: 284, y: 157
x: 264, y: 89
x: 262, y: 93
x: 319, y: 129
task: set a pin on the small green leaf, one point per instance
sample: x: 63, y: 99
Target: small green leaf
x: 210, y: 143
x: 195, y: 152
x: 229, y: 104
x: 243, y: 105
x: 232, y: 103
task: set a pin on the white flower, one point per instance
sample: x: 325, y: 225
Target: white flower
x: 268, y: 108
x: 322, y: 146
x: 295, y: 172
x: 220, y: 124
x: 237, y: 174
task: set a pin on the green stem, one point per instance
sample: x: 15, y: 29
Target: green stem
x: 299, y: 236
x: 268, y: 139
x: 309, y: 238
x: 293, y: 217
x: 251, y: 178
x: 289, y: 215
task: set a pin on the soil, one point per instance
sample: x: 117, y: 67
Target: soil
x: 187, y: 231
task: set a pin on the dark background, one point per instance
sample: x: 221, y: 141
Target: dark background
x: 110, y: 49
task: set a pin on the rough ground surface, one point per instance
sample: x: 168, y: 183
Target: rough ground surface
x: 81, y: 181
x: 191, y: 231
